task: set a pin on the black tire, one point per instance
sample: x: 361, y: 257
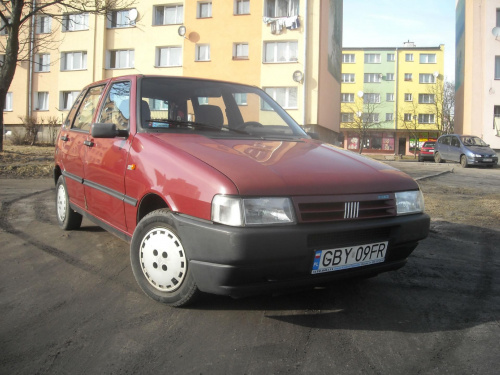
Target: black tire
x: 66, y: 217
x: 463, y: 161
x: 159, y: 261
x: 437, y: 158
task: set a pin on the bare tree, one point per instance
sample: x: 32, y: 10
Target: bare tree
x: 408, y: 117
x: 444, y: 105
x: 17, y: 22
x: 363, y: 116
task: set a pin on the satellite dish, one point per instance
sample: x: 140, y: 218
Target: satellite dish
x: 132, y: 14
x: 435, y: 74
x: 496, y: 32
x: 360, y: 94
x: 181, y: 30
x: 298, y: 76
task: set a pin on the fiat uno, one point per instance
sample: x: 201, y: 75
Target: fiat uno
x: 219, y: 190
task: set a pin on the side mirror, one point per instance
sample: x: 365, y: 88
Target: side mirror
x: 106, y: 130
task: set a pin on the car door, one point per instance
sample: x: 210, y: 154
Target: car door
x: 72, y: 138
x: 454, y: 148
x: 106, y: 158
x: 444, y: 145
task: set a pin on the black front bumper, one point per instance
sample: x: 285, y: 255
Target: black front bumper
x: 245, y: 261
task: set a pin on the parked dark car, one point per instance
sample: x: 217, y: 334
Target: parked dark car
x: 466, y: 149
x: 219, y: 190
x: 427, y: 151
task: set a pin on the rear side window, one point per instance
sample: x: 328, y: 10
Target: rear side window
x: 85, y: 113
x: 455, y: 142
x: 444, y: 140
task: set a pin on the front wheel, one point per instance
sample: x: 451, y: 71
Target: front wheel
x: 66, y: 217
x: 159, y: 261
x: 463, y: 161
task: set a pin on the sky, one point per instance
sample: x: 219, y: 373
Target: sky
x: 390, y: 23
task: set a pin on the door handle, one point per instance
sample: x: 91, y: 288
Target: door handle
x: 64, y: 138
x: 88, y: 143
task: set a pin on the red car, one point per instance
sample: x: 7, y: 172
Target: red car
x: 219, y: 190
x: 427, y: 151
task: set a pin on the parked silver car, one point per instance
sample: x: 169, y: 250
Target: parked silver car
x: 465, y: 149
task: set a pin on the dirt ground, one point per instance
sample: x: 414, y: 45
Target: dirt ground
x: 26, y: 161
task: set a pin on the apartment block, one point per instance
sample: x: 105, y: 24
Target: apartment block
x: 290, y: 48
x: 477, y: 73
x: 393, y: 95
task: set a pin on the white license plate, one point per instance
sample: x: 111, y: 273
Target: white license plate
x: 349, y: 257
x: 487, y: 160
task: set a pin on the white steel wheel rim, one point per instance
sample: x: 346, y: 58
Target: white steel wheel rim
x: 61, y: 203
x: 163, y: 260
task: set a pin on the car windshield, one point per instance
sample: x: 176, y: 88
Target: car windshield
x: 473, y: 141
x: 215, y: 109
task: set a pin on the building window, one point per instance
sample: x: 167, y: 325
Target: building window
x: 8, y: 102
x: 168, y: 56
x: 389, y: 97
x: 372, y: 58
x: 168, y: 15
x: 2, y: 59
x: 75, y: 22
x: 426, y: 78
x: 371, y: 98
x: 348, y: 78
x: 42, y: 62
x: 240, y: 98
x: 281, y: 8
x: 408, y: 77
x: 426, y: 98
x: 391, y: 57
x: 347, y: 98
x: 280, y: 52
x: 73, y: 60
x: 389, y: 77
x: 240, y: 51
x: 427, y: 58
x: 408, y: 97
x: 497, y: 67
x: 370, y: 117
x: 121, y: 18
x: 373, y: 77
x: 389, y: 117
x: 241, y: 7
x: 285, y: 96
x: 409, y: 57
x: 3, y: 26
x: 43, y: 24
x: 120, y: 59
x: 498, y: 17
x: 204, y: 9
x: 348, y: 58
x: 41, y: 101
x: 407, y: 116
x: 347, y: 117
x: 202, y: 52
x: 426, y: 118
x: 67, y: 99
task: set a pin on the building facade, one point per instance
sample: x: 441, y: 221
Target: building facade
x: 390, y: 97
x: 477, y: 73
x: 290, y: 48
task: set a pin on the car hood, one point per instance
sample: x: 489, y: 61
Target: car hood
x: 304, y: 167
x: 481, y: 150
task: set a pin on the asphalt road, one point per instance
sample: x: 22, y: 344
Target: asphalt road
x: 69, y: 305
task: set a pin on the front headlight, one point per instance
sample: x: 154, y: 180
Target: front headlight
x: 409, y: 202
x: 236, y: 211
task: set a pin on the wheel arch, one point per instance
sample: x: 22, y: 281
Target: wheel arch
x: 150, y: 203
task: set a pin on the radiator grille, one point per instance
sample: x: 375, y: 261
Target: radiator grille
x: 337, y: 208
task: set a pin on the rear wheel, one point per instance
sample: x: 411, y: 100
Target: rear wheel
x: 463, y: 161
x: 437, y: 158
x: 159, y: 262
x: 66, y: 217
